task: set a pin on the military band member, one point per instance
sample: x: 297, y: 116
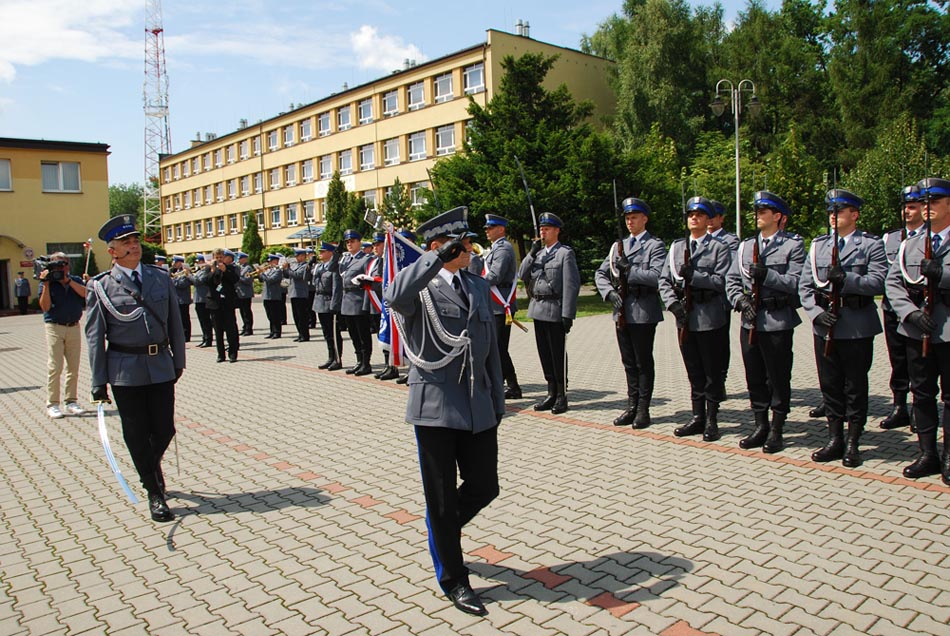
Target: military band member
x: 456, y: 392
x: 716, y: 230
x: 552, y: 279
x: 136, y: 344
x: 202, y: 280
x: 773, y: 315
x: 352, y: 265
x: 373, y: 302
x: 272, y: 295
x: 640, y: 264
x: 313, y: 260
x: 913, y: 223
x: 161, y: 261
x: 183, y: 281
x: 695, y: 293
x: 844, y: 363
x: 298, y: 271
x: 908, y: 280
x: 245, y: 294
x: 222, y: 301
x: 328, y: 296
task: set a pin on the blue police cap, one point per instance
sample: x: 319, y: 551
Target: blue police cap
x: 160, y: 258
x: 911, y: 194
x: 379, y: 237
x: 351, y: 234
x: 452, y: 223
x: 366, y: 244
x: 766, y: 199
x: 327, y: 247
x: 300, y: 251
x: 933, y: 188
x: 273, y: 257
x: 240, y: 255
x: 228, y: 252
x: 200, y: 257
x: 494, y: 219
x: 718, y: 207
x: 178, y: 259
x: 842, y: 198
x: 632, y: 204
x: 118, y: 227
x: 701, y: 204
x: 551, y: 220
x: 409, y: 235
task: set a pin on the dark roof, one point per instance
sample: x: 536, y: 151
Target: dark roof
x: 44, y: 144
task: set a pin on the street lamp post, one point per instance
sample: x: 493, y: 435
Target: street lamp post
x: 718, y: 107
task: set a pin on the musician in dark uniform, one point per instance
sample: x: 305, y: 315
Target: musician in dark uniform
x: 693, y: 289
x: 773, y: 314
x: 136, y: 344
x: 202, y: 280
x: 551, y: 276
x: 844, y: 364
x: 640, y: 264
x: 183, y: 280
x: 499, y: 267
x: 353, y: 264
x: 328, y: 295
x: 456, y: 392
x: 272, y: 296
x: 298, y: 271
x: 912, y: 223
x: 245, y: 294
x: 222, y: 302
x: 924, y: 314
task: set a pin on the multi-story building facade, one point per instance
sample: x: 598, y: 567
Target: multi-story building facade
x: 279, y: 170
x: 54, y: 195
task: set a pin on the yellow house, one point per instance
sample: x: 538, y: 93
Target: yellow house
x: 54, y: 195
x: 398, y: 126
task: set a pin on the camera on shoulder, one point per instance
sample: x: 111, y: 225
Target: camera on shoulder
x: 57, y: 269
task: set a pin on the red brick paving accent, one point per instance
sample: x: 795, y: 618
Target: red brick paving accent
x: 334, y: 487
x: 260, y: 456
x: 491, y: 555
x: 682, y: 628
x: 192, y: 425
x: 243, y: 447
x: 224, y: 439
x: 402, y: 516
x: 366, y: 501
x: 283, y: 466
x: 307, y: 476
x: 613, y: 604
x: 546, y: 577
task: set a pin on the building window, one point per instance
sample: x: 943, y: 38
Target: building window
x: 167, y: 175
x: 443, y: 88
x: 275, y: 217
x: 220, y: 226
x: 177, y: 201
x: 197, y: 197
x: 275, y: 178
x: 343, y: 118
x: 305, y: 134
x: 243, y: 148
x: 272, y: 140
x: 169, y: 234
x: 473, y: 78
x: 390, y: 103
x: 188, y: 199
x: 206, y: 161
x: 208, y: 199
x: 256, y: 146
x: 176, y: 172
x: 232, y: 188
x: 198, y: 232
x: 186, y: 168
x: 306, y: 171
x: 323, y: 209
x: 366, y: 111
x: 6, y: 176
x: 218, y: 155
x: 367, y: 157
x: 209, y: 227
x: 417, y: 194
x: 178, y: 232
x: 346, y: 162
x: 187, y: 231
x: 260, y: 218
x: 258, y: 182
x: 245, y: 185
x: 288, y: 136
x: 417, y: 96
x: 308, y: 211
x: 417, y: 146
x: 233, y: 224
x: 229, y: 154
x: 369, y: 198
x: 61, y: 176
x: 326, y: 167
x: 168, y: 204
x: 219, y: 191
x: 445, y: 140
x: 323, y: 124
x: 290, y: 172
x: 195, y: 165
x: 291, y: 214
x: 391, y: 152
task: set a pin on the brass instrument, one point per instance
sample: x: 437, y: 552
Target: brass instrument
x: 477, y: 249
x: 180, y: 273
x: 260, y: 269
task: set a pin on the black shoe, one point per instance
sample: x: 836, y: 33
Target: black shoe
x: 775, y: 442
x: 926, y: 465
x: 353, y: 369
x: 364, y: 369
x: 403, y: 379
x: 513, y: 393
x: 945, y: 466
x: 297, y: 339
x: 546, y: 404
x: 220, y: 358
x: 158, y: 508
x: 694, y: 427
x: 232, y: 360
x: 759, y: 434
x: 560, y: 405
x: 334, y: 366
x: 817, y: 412
x: 834, y: 449
x: 389, y: 373
x: 306, y: 339
x: 898, y: 418
x: 466, y: 600
x: 204, y: 345
x: 627, y: 417
x: 380, y: 372
x: 643, y: 417
x: 326, y: 365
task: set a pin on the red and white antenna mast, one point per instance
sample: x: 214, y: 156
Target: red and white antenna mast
x: 158, y: 140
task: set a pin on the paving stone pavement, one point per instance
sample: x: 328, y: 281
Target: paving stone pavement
x: 300, y: 510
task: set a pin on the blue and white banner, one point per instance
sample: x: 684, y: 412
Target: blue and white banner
x: 398, y: 252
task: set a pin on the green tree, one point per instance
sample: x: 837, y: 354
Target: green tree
x: 397, y: 205
x: 251, y: 242
x: 355, y: 213
x: 127, y: 198
x: 336, y: 209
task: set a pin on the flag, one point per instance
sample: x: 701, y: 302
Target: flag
x: 398, y: 252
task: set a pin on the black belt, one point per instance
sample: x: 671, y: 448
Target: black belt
x: 775, y: 302
x: 703, y: 295
x: 636, y: 291
x: 148, y: 350
x: 546, y: 297
x: 67, y: 324
x: 851, y: 301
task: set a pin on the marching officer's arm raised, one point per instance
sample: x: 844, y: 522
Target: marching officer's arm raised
x: 403, y: 293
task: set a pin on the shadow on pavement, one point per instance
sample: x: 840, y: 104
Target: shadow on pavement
x: 17, y: 389
x: 258, y: 501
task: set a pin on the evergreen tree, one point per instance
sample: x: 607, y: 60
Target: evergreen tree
x: 397, y: 206
x: 251, y: 242
x: 336, y: 209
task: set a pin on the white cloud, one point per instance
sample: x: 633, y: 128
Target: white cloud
x: 381, y: 52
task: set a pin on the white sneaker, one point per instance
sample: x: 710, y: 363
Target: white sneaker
x: 73, y: 408
x: 54, y: 412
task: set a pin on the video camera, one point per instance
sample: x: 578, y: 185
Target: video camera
x: 57, y: 269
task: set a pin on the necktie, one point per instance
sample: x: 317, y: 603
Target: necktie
x: 457, y: 285
x: 840, y: 244
x: 692, y: 246
x: 633, y: 242
x: 136, y: 279
x: 765, y: 243
x: 936, y: 241
x: 911, y: 233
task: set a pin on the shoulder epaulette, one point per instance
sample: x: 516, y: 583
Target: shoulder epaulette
x: 101, y: 274
x: 823, y: 237
x: 794, y: 236
x: 873, y: 237
x: 158, y: 267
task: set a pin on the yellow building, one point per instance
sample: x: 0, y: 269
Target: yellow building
x: 54, y: 195
x: 394, y: 127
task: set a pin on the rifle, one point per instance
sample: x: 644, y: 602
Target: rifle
x: 435, y: 195
x: 527, y: 191
x: 687, y: 288
x: 930, y: 288
x: 756, y: 290
x: 622, y: 283
x: 835, y: 306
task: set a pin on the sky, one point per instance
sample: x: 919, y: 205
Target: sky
x: 74, y: 71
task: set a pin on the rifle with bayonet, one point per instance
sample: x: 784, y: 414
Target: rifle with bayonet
x: 621, y: 283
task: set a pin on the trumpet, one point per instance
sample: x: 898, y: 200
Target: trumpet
x: 477, y: 249
x: 260, y: 269
x: 179, y: 273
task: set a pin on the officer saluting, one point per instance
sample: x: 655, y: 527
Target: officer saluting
x: 910, y: 281
x: 762, y: 284
x: 137, y: 345
x: 843, y: 334
x: 552, y: 279
x: 639, y: 266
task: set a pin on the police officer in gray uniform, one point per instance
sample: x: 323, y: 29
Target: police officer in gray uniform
x: 245, y: 294
x: 327, y: 298
x: 202, y: 281
x: 456, y: 392
x: 552, y: 279
x: 693, y: 289
x: 499, y: 267
x: 640, y: 265
x: 298, y: 271
x: 844, y: 362
x: 183, y: 282
x: 767, y: 351
x: 910, y: 280
x: 272, y: 296
x: 912, y: 223
x: 136, y: 344
x: 352, y: 265
x: 716, y: 230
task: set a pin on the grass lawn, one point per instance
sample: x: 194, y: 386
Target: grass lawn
x: 587, y: 305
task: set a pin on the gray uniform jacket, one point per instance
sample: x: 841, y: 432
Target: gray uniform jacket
x: 202, y: 280
x: 865, y: 266
x: 477, y: 264
x: 375, y: 270
x: 554, y: 281
x: 353, y: 295
x: 22, y: 287
x: 159, y: 322
x: 183, y: 288
x: 328, y: 286
x: 272, y: 289
x: 298, y: 273
x: 646, y: 256
x: 501, y: 271
x: 730, y: 239
x: 438, y: 397
x: 892, y: 244
x: 710, y: 263
x: 778, y: 307
x: 906, y: 298
x: 245, y: 284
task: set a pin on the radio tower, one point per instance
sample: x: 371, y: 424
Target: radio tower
x: 158, y: 139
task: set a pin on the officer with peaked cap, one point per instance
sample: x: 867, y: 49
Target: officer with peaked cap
x: 161, y: 261
x: 637, y: 311
x: 716, y: 230
x: 769, y: 263
x: 843, y: 334
x: 202, y: 281
x: 910, y: 281
x: 272, y: 296
x: 245, y: 294
x: 703, y: 314
x: 372, y: 301
x: 551, y: 276
x: 456, y: 392
x: 222, y: 302
x: 352, y: 265
x: 136, y: 344
x: 912, y: 223
x: 327, y: 298
x: 298, y: 271
x: 183, y: 282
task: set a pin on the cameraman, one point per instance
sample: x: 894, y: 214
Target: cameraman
x: 62, y: 299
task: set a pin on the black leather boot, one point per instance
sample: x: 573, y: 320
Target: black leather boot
x: 548, y: 401
x: 852, y: 454
x: 899, y: 416
x: 945, y: 466
x: 385, y: 368
x: 630, y: 413
x: 389, y: 373
x: 356, y: 367
x: 711, y: 432
x: 560, y: 401
x: 158, y: 508
x: 928, y: 463
x: 513, y: 391
x: 818, y: 411
x: 775, y: 443
x: 643, y: 414
x: 326, y: 365
x: 697, y: 423
x: 834, y: 449
x: 759, y: 433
